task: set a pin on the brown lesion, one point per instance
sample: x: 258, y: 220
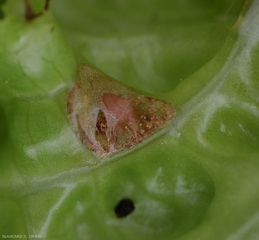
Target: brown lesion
x: 124, y: 122
x: 29, y: 14
x: 101, y: 131
x: 124, y: 117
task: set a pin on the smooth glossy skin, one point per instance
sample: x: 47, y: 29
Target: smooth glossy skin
x: 195, y: 179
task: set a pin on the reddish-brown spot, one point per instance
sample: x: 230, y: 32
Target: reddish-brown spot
x: 29, y: 14
x: 118, y: 107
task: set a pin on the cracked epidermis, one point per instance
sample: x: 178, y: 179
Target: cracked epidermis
x: 124, y: 116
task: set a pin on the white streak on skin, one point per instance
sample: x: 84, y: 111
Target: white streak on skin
x: 31, y: 152
x: 44, y: 229
x: 155, y: 185
x: 60, y: 88
x: 249, y: 108
x: 79, y: 208
x: 213, y: 104
x: 248, y: 33
x: 58, y: 180
x: 248, y: 28
x: 55, y: 145
x: 242, y: 232
x: 222, y: 127
x: 230, y: 133
x: 190, y: 193
x: 244, y: 130
x: 198, y: 102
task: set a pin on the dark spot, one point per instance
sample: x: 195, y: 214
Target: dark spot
x: 52, y: 29
x: 47, y: 5
x: 29, y: 14
x: 124, y: 208
x: 2, y: 2
x: 101, y: 130
x: 1, y: 14
x: 101, y: 124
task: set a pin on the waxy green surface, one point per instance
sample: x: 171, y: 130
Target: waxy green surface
x: 195, y: 179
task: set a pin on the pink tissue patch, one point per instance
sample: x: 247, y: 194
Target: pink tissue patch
x: 109, y: 117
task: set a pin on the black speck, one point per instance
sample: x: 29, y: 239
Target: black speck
x: 124, y: 208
